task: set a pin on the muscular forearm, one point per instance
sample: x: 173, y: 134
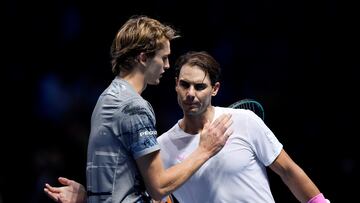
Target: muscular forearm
x: 294, y: 177
x: 166, y: 181
x: 175, y: 176
x: 300, y: 184
x: 160, y: 181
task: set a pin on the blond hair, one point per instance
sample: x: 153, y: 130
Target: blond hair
x: 138, y: 34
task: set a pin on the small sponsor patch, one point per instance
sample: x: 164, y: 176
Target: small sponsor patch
x: 154, y: 132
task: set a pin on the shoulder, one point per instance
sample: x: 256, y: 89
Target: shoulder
x: 137, y: 104
x: 166, y: 135
x: 237, y: 113
x: 242, y: 118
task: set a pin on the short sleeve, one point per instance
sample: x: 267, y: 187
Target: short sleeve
x: 137, y: 129
x: 263, y: 141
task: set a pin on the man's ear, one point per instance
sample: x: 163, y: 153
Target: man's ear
x: 215, y: 89
x: 142, y: 58
x: 176, y: 82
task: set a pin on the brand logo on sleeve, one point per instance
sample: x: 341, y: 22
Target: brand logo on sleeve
x: 147, y: 133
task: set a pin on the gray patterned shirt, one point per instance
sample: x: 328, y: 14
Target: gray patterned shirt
x: 122, y: 130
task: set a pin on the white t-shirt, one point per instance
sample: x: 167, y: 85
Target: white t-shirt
x: 237, y: 173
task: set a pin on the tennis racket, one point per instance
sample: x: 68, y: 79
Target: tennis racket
x: 250, y: 104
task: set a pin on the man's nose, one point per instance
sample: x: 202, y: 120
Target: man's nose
x: 191, y: 91
x: 166, y: 64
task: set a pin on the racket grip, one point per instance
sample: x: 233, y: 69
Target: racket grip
x: 318, y: 199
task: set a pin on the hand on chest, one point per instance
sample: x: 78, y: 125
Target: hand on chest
x: 234, y: 157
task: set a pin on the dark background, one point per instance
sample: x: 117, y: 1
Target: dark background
x: 298, y: 58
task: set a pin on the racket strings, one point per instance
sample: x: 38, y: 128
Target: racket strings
x: 250, y: 105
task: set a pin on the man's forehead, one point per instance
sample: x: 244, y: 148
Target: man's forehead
x: 193, y: 74
x: 165, y: 50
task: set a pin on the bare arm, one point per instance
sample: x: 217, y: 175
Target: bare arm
x: 294, y: 177
x: 161, y: 182
x: 74, y: 192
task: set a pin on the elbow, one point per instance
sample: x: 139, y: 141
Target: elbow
x: 157, y: 194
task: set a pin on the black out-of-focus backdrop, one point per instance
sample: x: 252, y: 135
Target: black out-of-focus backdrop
x: 298, y: 58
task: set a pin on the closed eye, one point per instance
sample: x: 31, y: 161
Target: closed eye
x: 184, y: 84
x: 165, y: 58
x: 201, y: 86
x: 197, y: 87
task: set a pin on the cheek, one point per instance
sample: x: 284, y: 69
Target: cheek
x: 205, y: 98
x: 180, y: 94
x: 160, y: 63
x: 156, y: 71
x: 179, y: 100
x: 156, y: 67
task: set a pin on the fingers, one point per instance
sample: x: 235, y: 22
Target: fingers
x: 228, y: 133
x: 64, y: 181
x: 207, y: 123
x: 223, y: 126
x: 227, y: 122
x: 222, y: 123
x: 52, y: 195
x: 214, y: 136
x: 227, y: 125
x: 52, y: 189
x: 222, y: 120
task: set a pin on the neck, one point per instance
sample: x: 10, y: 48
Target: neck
x: 136, y: 79
x: 193, y: 124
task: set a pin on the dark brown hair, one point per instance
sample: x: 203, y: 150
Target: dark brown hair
x: 202, y: 59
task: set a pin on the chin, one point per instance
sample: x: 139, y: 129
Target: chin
x: 192, y: 112
x: 154, y: 82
